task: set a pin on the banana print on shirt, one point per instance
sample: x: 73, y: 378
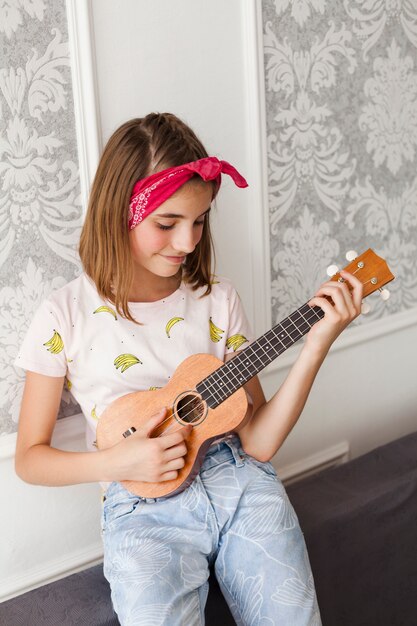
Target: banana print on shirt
x: 124, y: 361
x: 170, y: 324
x: 235, y: 341
x: 106, y: 309
x: 55, y: 343
x: 215, y: 332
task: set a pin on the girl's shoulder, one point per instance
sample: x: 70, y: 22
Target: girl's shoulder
x: 74, y: 295
x: 223, y: 288
x: 220, y: 285
x: 222, y: 292
x: 222, y: 302
x: 82, y: 282
x: 220, y: 282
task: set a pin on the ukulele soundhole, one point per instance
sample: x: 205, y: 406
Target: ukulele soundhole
x: 190, y: 409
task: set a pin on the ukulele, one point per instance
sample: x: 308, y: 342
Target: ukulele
x: 208, y: 394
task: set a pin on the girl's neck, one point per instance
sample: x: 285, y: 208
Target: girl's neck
x: 155, y: 289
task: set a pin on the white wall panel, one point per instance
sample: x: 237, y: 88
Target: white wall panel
x: 189, y: 58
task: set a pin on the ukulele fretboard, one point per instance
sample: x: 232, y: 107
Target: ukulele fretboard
x: 228, y: 378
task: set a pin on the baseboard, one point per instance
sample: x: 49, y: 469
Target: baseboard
x: 51, y: 571
x: 330, y: 457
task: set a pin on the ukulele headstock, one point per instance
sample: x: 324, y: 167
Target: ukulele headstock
x: 370, y: 269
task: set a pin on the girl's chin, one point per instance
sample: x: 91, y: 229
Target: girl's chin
x: 166, y: 270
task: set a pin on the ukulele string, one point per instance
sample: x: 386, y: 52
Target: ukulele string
x: 213, y: 385
x: 208, y: 389
x: 190, y: 401
x: 175, y: 422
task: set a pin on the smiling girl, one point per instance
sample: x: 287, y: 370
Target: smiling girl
x: 147, y: 254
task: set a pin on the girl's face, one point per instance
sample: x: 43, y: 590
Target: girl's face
x: 161, y: 242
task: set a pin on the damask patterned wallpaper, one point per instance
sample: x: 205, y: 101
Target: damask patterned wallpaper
x: 341, y: 99
x: 40, y: 210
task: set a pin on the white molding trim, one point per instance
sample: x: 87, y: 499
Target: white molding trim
x: 257, y: 156
x: 51, y: 571
x: 352, y: 337
x: 84, y: 84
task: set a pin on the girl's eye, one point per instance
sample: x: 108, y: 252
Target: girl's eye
x: 162, y: 227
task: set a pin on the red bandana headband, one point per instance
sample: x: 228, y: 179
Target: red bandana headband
x: 150, y: 192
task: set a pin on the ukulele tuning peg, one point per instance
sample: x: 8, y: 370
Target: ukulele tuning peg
x: 365, y: 308
x: 332, y: 270
x: 385, y: 294
x: 351, y: 255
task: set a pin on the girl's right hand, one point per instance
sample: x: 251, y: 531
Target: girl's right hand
x: 142, y: 458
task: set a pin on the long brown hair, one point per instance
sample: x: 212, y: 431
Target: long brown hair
x: 137, y: 149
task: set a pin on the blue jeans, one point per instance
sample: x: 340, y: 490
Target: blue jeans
x: 236, y: 514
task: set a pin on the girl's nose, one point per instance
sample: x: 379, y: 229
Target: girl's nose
x: 185, y: 240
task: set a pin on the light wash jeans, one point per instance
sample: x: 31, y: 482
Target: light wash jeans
x: 236, y: 515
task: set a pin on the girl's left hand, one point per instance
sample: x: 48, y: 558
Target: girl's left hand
x: 342, y: 307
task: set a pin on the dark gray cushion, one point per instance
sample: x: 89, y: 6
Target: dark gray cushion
x: 84, y: 599
x: 360, y: 526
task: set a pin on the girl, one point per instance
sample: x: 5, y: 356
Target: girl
x: 146, y: 251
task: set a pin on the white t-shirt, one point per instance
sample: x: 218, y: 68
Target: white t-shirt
x: 77, y: 334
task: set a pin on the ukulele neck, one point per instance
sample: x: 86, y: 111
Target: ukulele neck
x: 228, y: 378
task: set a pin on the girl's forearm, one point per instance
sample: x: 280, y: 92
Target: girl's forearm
x: 44, y: 465
x: 274, y: 420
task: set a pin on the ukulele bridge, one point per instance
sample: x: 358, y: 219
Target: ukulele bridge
x: 190, y: 408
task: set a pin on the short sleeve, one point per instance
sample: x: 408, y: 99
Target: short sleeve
x: 43, y: 349
x: 240, y: 333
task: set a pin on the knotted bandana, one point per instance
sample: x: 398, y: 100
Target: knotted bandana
x: 150, y: 192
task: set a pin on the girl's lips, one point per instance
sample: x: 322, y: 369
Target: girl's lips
x: 175, y: 259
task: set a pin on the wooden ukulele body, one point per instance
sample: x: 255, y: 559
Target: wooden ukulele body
x: 178, y: 396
